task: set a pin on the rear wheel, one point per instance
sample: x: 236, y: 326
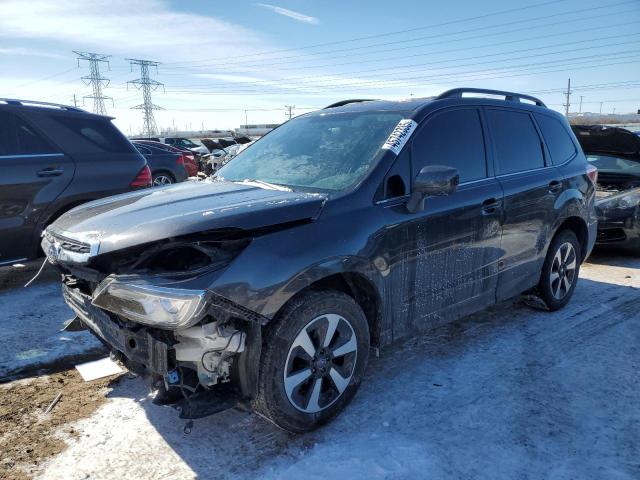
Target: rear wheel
x: 560, y: 270
x: 161, y: 178
x: 313, y: 360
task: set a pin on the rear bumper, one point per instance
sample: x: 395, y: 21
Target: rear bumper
x: 591, y: 238
x: 138, y: 346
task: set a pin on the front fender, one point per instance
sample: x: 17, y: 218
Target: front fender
x: 275, y: 267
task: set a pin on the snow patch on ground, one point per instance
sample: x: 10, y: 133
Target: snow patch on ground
x: 30, y: 322
x: 507, y: 393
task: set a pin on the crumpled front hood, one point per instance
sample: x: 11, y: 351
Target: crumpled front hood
x: 157, y: 213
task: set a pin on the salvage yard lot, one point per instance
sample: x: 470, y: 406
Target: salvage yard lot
x: 511, y: 392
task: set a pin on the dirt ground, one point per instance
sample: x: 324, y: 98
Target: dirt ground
x: 28, y: 436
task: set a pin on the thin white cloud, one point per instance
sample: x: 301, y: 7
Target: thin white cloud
x: 30, y: 52
x: 289, y: 13
x: 143, y: 27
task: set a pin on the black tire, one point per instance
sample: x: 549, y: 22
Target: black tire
x: 314, y: 312
x: 169, y: 179
x: 554, y: 278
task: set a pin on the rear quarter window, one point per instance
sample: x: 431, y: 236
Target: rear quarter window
x: 517, y: 144
x: 100, y: 133
x: 559, y: 143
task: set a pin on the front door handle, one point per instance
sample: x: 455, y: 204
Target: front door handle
x: 50, y: 172
x: 555, y: 186
x: 490, y: 205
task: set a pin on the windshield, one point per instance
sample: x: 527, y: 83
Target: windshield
x: 609, y: 164
x: 327, y: 151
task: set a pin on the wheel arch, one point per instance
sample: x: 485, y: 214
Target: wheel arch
x: 579, y: 227
x: 358, y: 286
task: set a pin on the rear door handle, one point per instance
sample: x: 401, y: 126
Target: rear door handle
x: 50, y: 172
x: 555, y: 186
x: 490, y: 205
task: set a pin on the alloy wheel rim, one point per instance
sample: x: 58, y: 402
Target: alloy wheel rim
x: 162, y: 180
x: 320, y: 363
x: 563, y: 271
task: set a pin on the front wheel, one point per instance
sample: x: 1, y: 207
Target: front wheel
x: 313, y: 360
x: 560, y: 270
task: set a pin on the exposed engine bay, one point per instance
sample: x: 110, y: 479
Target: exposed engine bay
x: 112, y: 296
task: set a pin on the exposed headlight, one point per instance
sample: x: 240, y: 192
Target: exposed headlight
x: 628, y: 199
x: 168, y: 308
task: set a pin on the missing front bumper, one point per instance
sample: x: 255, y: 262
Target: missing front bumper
x: 138, y: 346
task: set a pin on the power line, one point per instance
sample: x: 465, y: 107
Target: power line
x: 386, y: 34
x: 146, y: 84
x: 395, y: 82
x: 95, y: 79
x: 193, y: 64
x: 478, y: 75
x: 412, y: 67
x: 47, y: 77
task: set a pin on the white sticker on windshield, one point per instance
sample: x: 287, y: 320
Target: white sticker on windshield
x: 400, y: 135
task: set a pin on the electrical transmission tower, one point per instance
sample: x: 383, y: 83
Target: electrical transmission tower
x: 289, y: 110
x: 96, y: 80
x: 147, y: 85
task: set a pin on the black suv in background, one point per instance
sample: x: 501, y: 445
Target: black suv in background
x: 356, y: 225
x: 53, y: 158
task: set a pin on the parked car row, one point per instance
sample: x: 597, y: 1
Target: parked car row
x: 56, y: 157
x: 168, y: 164
x: 211, y: 154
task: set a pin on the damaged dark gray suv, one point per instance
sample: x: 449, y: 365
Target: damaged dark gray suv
x: 349, y: 227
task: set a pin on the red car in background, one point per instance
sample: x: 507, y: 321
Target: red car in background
x: 191, y: 165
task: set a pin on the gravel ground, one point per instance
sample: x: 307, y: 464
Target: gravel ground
x: 509, y: 393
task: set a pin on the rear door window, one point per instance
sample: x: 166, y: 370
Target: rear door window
x: 518, y: 147
x: 18, y: 138
x: 453, y: 138
x: 142, y: 150
x: 100, y: 133
x: 557, y: 138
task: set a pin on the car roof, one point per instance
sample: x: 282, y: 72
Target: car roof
x: 481, y: 96
x: 38, y: 106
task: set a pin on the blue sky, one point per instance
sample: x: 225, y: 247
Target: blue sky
x: 222, y: 58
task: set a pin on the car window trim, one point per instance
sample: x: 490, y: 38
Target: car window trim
x: 31, y: 155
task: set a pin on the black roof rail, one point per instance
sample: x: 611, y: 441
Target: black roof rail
x: 508, y: 96
x: 13, y: 101
x: 347, y: 102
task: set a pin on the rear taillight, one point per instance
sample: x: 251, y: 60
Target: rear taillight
x: 143, y: 179
x: 592, y: 173
x: 181, y: 159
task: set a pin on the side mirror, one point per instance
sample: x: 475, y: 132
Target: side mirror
x: 432, y: 180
